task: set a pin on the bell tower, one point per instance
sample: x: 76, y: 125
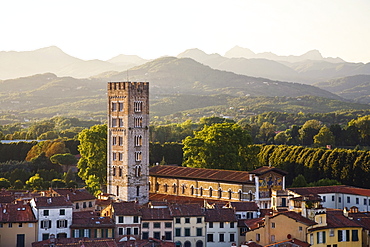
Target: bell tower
x: 128, y: 141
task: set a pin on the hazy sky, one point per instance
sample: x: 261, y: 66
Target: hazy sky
x: 153, y: 28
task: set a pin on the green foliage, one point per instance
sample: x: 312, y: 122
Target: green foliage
x: 58, y: 183
x: 324, y: 137
x: 18, y: 184
x: 63, y: 160
x: 35, y: 182
x: 93, y: 185
x: 324, y: 182
x: 219, y: 146
x: 4, y: 183
x: 93, y: 150
x: 299, y: 181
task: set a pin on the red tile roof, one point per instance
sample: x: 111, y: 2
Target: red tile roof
x: 201, y: 173
x: 76, y: 242
x: 345, y: 189
x: 75, y: 195
x: 16, y: 213
x: 244, y: 206
x: 362, y: 218
x: 56, y: 201
x: 297, y: 217
x: 265, y: 169
x: 180, y: 199
x: 253, y: 224
x: 126, y: 208
x: 90, y: 219
x: 220, y: 215
x: 296, y: 242
x: 7, y: 198
x: 182, y: 210
x: 156, y: 214
x: 336, y: 219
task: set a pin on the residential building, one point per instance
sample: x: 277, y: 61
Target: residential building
x: 157, y: 223
x: 221, y: 227
x: 81, y: 199
x: 18, y: 225
x: 90, y: 224
x: 278, y: 227
x: 128, y: 141
x: 54, y: 216
x: 335, y: 229
x: 188, y: 224
x: 127, y: 218
x: 339, y: 196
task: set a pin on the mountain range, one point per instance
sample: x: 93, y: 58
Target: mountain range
x: 47, y: 82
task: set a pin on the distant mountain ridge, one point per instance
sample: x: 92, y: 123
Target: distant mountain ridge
x: 53, y: 60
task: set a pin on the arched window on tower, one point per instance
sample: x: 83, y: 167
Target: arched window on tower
x: 165, y: 187
x: 201, y: 191
x: 137, y: 171
x: 183, y: 187
x: 192, y: 190
x: 219, y: 193
x: 240, y: 195
x: 230, y: 193
x: 156, y: 186
x: 210, y: 191
x: 174, y: 186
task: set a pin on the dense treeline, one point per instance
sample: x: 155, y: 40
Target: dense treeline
x: 351, y: 167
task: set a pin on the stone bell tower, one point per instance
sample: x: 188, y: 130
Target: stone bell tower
x: 128, y: 141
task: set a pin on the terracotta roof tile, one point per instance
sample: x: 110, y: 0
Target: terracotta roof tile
x: 75, y: 195
x: 362, y: 218
x: 244, y: 206
x: 56, y: 201
x: 7, y: 198
x: 180, y: 199
x: 201, y: 173
x: 126, y: 208
x: 220, y: 215
x: 181, y: 210
x: 156, y: 214
x: 264, y: 169
x: 345, y: 189
x: 254, y: 223
x: 91, y: 219
x: 296, y: 216
x: 76, y: 242
x: 16, y: 213
x: 296, y: 242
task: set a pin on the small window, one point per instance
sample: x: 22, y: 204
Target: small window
x: 324, y: 198
x: 199, y: 231
x: 20, y: 225
x: 210, y: 237
x: 357, y: 200
x: 168, y: 224
x: 232, y: 237
x: 114, y: 106
x: 187, y: 232
x: 77, y: 205
x: 120, y: 219
x: 145, y: 225
x: 120, y: 106
x: 177, y: 232
x: 354, y: 235
x: 300, y: 228
x: 222, y: 237
x: 187, y: 220
x: 62, y: 212
x: 114, y: 140
x: 210, y: 224
x: 258, y: 237
x: 10, y: 225
x: 120, y: 141
x: 90, y: 205
x: 145, y: 235
x: 157, y: 225
x: 365, y: 201
x: 46, y: 212
x: 168, y: 235
x: 272, y: 238
x: 332, y: 198
x: 348, y: 199
x: 61, y: 223
x: 199, y: 220
x: 136, y: 219
x: 84, y: 205
x: 272, y: 224
x: 178, y: 220
x: 232, y: 225
x: 114, y: 122
x: 157, y: 235
x: 221, y: 224
x: 120, y: 231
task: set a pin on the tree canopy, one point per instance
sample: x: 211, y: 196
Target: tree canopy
x: 93, y: 150
x: 219, y: 146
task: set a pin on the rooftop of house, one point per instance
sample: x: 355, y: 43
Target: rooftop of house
x: 255, y: 223
x: 180, y: 199
x: 265, y: 169
x: 75, y: 195
x: 296, y: 216
x: 218, y: 214
x: 126, y: 208
x: 183, y: 210
x: 6, y: 199
x: 294, y: 241
x: 201, y: 173
x: 56, y: 201
x: 156, y: 214
x: 76, y: 242
x: 362, y: 218
x: 16, y: 213
x: 244, y: 206
x: 343, y: 189
x: 90, y: 219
